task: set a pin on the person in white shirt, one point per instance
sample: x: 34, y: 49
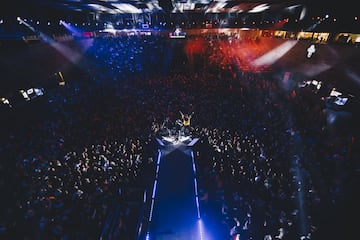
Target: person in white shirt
x: 310, y: 51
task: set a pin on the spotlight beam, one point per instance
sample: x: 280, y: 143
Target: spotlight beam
x: 69, y: 54
x: 272, y: 56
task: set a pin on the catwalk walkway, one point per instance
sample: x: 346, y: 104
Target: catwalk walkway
x: 174, y: 210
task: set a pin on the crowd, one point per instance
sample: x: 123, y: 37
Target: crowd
x: 277, y: 177
x: 268, y: 165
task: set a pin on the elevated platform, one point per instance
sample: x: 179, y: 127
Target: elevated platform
x: 182, y: 140
x: 174, y: 212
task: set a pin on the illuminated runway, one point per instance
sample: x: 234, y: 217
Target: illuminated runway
x: 175, y: 211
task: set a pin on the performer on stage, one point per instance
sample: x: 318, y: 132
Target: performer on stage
x: 186, y: 120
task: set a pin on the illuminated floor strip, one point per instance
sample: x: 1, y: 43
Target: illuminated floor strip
x: 154, y: 191
x: 195, y: 185
x: 200, y: 222
x: 201, y: 229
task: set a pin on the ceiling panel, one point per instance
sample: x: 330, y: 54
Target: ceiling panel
x: 130, y: 6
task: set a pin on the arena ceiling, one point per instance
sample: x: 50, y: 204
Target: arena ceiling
x: 150, y: 6
x: 114, y: 7
x: 141, y: 6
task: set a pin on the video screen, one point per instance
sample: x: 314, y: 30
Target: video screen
x: 177, y: 33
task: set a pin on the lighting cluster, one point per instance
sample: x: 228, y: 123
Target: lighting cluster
x: 338, y: 99
x: 315, y: 85
x: 209, y: 20
x: 4, y: 102
x: 26, y: 95
x: 30, y: 94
